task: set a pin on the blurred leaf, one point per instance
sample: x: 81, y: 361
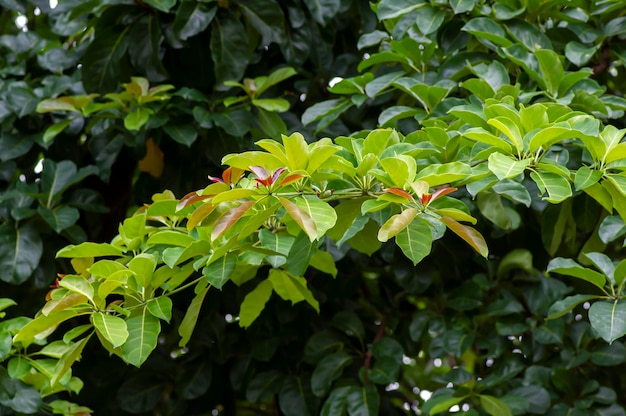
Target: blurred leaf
x: 254, y: 303
x: 193, y: 18
x: 102, y: 63
x: 229, y: 49
x: 327, y: 370
x: 21, y: 249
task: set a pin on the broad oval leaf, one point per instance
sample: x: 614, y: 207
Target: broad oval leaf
x: 608, y: 319
x: 470, y: 235
x: 396, y: 224
x: 569, y: 267
x: 111, y: 328
x: 160, y: 307
x: 143, y: 334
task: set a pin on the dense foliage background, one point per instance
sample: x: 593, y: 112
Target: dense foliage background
x: 105, y: 103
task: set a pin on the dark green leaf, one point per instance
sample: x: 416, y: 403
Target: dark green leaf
x: 103, y: 66
x: 218, y: 272
x: 266, y: 17
x: 162, y: 5
x: 323, y: 10
x: 363, y: 401
x: 229, y: 49
x: 193, y: 17
x: 327, y: 370
x: 184, y: 133
x: 20, y: 251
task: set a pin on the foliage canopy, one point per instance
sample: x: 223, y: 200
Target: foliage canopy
x: 456, y: 247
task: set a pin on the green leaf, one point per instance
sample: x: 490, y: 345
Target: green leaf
x: 608, y: 319
x: 162, y: 5
x: 185, y: 134
x: 291, y: 288
x: 136, y: 119
x: 578, y: 54
x: 160, y: 307
x: 89, y: 249
x: 479, y: 134
x: 191, y: 316
x: 218, y: 272
x: 551, y: 69
x: 586, y: 177
x: 509, y: 128
x: 388, y: 9
x: 254, y: 303
x: 229, y: 49
x: 275, y: 77
x: 494, y: 406
x: 143, y: 265
x: 462, y: 6
x: 266, y: 16
x: 504, y: 166
x: 193, y: 18
x: 396, y: 223
x: 300, y: 254
x: 441, y: 403
x: 528, y: 34
x: 415, y: 240
x: 54, y: 130
x: 430, y: 19
x: 278, y: 105
x: 226, y: 221
x: 569, y: 267
x: 439, y: 174
x: 59, y: 218
x: 103, y: 60
x: 485, y: 28
x: 301, y: 217
x: 363, y: 401
x: 78, y: 284
x: 557, y: 187
x: 324, y: 262
x: 564, y: 306
x: 56, y: 177
x: 337, y: 402
x: 20, y: 251
x: 271, y: 123
x: 349, y: 322
x: 470, y: 235
x: 322, y: 214
x: 263, y: 386
x: 111, y: 328
x: 323, y: 10
x: 327, y: 370
x: 514, y: 191
x: 42, y: 325
x: 143, y: 334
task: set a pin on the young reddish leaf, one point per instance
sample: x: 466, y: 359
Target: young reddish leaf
x: 291, y: 179
x: 277, y: 174
x: 400, y: 192
x: 441, y: 191
x: 229, y: 218
x: 470, y: 235
x: 215, y: 179
x: 396, y: 224
x: 231, y: 176
x: 260, y: 172
x: 301, y: 218
x: 190, y: 198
